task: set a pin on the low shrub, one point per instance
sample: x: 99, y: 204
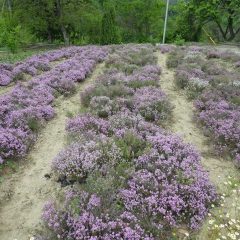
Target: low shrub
x: 169, y: 186
x: 181, y: 79
x: 102, y: 106
x: 85, y: 218
x: 220, y: 115
x: 166, y: 48
x: 195, y: 87
x: 152, y: 104
x: 132, y: 144
x: 175, y: 58
x: 111, y: 91
x: 14, y: 143
x: 137, y: 181
x: 87, y: 126
x: 81, y: 159
x: 146, y: 76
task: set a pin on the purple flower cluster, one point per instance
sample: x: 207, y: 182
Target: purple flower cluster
x: 165, y: 48
x: 193, y: 73
x: 226, y: 55
x: 138, y: 91
x: 102, y: 106
x: 137, y: 181
x: 22, y: 112
x: 129, y: 58
x: 87, y: 125
x: 237, y: 64
x: 216, y: 88
x: 145, y: 76
x: 80, y: 159
x: 199, y: 70
x: 27, y: 107
x: 219, y: 112
x: 64, y: 76
x: 42, y: 63
x: 88, y: 224
x: 151, y: 103
x: 5, y: 74
x: 13, y: 142
x: 32, y: 66
x: 169, y: 186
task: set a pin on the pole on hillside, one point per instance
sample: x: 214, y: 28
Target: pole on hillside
x: 209, y: 36
x: 165, y: 23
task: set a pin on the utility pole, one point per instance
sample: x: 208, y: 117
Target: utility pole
x: 165, y: 23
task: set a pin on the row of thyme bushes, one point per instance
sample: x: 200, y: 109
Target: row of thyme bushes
x: 211, y: 77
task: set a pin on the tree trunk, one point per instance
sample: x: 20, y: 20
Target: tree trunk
x: 63, y: 29
x: 197, y: 33
x: 231, y: 30
x: 224, y: 34
x: 229, y: 34
x: 9, y: 6
x: 50, y: 38
x: 65, y: 35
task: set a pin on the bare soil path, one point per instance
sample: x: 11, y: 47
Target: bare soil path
x: 183, y: 124
x: 23, y: 195
x: 6, y: 89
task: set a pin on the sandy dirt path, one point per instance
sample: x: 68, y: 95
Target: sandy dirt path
x: 183, y: 124
x: 4, y: 90
x: 23, y: 195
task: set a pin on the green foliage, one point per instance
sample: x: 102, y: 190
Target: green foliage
x: 222, y: 16
x: 141, y: 21
x: 179, y: 40
x: 187, y: 25
x: 138, y: 84
x: 111, y: 91
x: 83, y: 22
x: 174, y: 58
x: 131, y: 146
x: 34, y: 124
x: 109, y: 33
x: 7, y: 57
x: 12, y: 36
x: 236, y: 100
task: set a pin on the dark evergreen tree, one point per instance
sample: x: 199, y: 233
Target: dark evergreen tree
x: 110, y: 33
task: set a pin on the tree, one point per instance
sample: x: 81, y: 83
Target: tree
x: 224, y: 13
x: 12, y: 36
x: 141, y: 21
x: 59, y: 11
x: 188, y: 26
x: 109, y: 27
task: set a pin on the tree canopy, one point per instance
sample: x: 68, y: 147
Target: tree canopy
x: 114, y: 21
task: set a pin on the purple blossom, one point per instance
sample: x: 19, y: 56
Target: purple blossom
x: 5, y: 74
x: 165, y: 48
x: 80, y: 159
x: 14, y: 142
x: 90, y: 222
x: 169, y: 186
x: 27, y: 107
x: 87, y: 126
x: 151, y: 103
x: 220, y: 116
